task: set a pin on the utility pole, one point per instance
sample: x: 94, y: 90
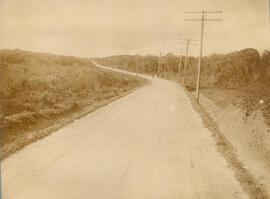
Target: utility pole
x: 180, y: 62
x: 179, y: 67
x: 159, y: 62
x: 202, y: 20
x: 186, y: 57
x: 137, y: 65
x: 127, y: 69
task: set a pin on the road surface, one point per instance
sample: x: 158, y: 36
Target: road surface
x: 150, y: 144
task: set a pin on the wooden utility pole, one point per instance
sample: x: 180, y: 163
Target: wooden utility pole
x: 159, y: 62
x: 137, y: 65
x: 180, y: 62
x: 186, y: 57
x: 127, y: 69
x: 179, y: 67
x: 200, y: 60
x: 202, y: 19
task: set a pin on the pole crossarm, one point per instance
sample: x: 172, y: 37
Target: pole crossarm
x: 204, y: 11
x: 188, y: 39
x: 192, y: 19
x: 217, y: 19
x: 186, y: 44
x: 214, y: 12
x: 180, y: 49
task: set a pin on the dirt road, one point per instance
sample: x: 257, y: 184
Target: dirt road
x: 148, y: 145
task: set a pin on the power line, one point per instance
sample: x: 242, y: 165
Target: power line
x: 202, y: 19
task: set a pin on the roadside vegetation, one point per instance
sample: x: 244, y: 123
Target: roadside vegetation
x: 245, y: 72
x: 235, y: 93
x: 37, y: 89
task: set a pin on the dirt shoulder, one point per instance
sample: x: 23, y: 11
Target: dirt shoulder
x: 228, y: 133
x: 246, y: 129
x: 20, y: 137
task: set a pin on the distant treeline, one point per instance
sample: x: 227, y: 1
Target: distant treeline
x: 236, y: 69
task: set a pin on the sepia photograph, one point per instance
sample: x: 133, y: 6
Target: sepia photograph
x: 135, y: 99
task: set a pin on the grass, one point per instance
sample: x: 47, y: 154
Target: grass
x: 38, y: 88
x: 224, y: 146
x: 248, y: 100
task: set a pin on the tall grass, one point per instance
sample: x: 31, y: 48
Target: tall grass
x: 36, y: 85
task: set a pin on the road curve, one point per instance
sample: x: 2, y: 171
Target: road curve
x: 150, y: 144
x: 121, y: 71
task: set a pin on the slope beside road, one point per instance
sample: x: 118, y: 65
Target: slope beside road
x: 149, y: 144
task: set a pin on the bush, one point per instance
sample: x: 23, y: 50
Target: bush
x: 236, y: 69
x: 37, y: 82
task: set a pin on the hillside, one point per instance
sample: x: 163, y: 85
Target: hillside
x: 233, y: 70
x: 38, y: 90
x: 245, y: 73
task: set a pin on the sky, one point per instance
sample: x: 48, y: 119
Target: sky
x: 93, y: 28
